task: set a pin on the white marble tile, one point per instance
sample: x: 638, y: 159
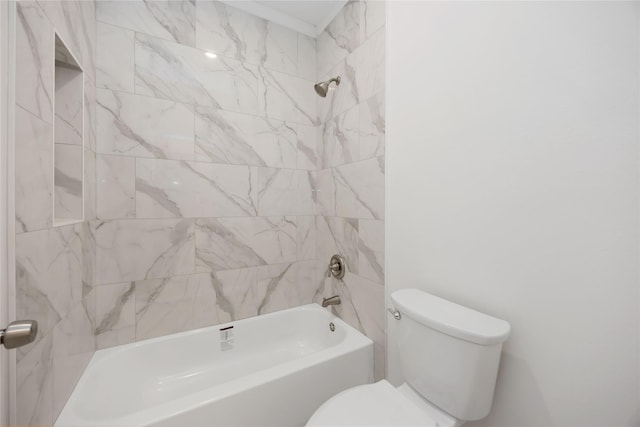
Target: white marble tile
x: 372, y: 127
x: 54, y: 267
x: 360, y: 189
x: 34, y: 61
x: 115, y: 315
x: 88, y: 248
x: 363, y: 308
x: 342, y: 138
x: 277, y: 142
x: 327, y: 131
x: 89, y: 185
x: 74, y: 22
x: 49, y: 276
x: 338, y: 236
x: 285, y: 192
x: 115, y: 42
x: 340, y: 38
x: 226, y: 137
x: 66, y: 259
x: 307, y: 54
x: 325, y: 192
x: 346, y: 95
x: 307, y: 147
x: 34, y: 385
x: 371, y: 250
x: 89, y: 39
x: 176, y: 304
x: 283, y: 287
x: 33, y: 172
x: 116, y: 187
x: 372, y: 17
x: 280, y: 49
x: 370, y: 65
x: 90, y: 114
x: 323, y: 284
x: 234, y: 138
x: 135, y: 250
x: 232, y: 243
x: 307, y: 280
x: 320, y: 147
x: 66, y: 374
x: 285, y: 97
x: 140, y: 126
x: 179, y: 73
x: 74, y: 334
x: 229, y: 32
x: 90, y: 300
x: 174, y: 189
x: 61, y: 16
x: 68, y: 202
x: 68, y: 117
x: 306, y: 237
x: 238, y: 295
x: 170, y: 20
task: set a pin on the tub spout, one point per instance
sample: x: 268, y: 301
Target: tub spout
x: 334, y: 300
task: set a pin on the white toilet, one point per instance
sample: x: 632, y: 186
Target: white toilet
x: 449, y: 356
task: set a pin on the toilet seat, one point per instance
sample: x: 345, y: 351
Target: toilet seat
x: 379, y: 404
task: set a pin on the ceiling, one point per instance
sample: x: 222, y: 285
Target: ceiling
x: 309, y: 17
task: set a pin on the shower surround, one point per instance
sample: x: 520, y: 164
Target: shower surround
x: 350, y: 177
x: 55, y: 282
x: 222, y: 182
x: 206, y: 161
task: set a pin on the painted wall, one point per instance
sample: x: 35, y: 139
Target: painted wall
x: 350, y: 179
x: 206, y: 156
x: 513, y: 189
x: 54, y: 265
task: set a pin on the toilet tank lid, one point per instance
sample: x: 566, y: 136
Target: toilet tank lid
x: 450, y: 318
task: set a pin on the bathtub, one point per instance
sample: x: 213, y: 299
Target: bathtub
x: 271, y: 370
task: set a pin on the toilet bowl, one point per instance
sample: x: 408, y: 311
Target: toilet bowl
x: 449, y: 356
x: 380, y: 404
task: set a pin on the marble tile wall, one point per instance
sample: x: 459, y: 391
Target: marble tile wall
x: 55, y: 266
x: 350, y: 179
x: 221, y: 183
x: 206, y: 166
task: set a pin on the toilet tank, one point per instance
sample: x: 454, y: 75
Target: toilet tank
x: 449, y: 353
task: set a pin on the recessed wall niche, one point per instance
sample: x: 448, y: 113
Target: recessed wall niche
x: 68, y: 205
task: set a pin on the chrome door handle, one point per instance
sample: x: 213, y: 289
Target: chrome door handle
x: 19, y: 333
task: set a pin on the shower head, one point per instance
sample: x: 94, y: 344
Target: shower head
x: 323, y: 87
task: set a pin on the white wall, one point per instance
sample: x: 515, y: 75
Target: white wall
x: 512, y: 177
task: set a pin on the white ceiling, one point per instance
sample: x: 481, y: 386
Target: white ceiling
x: 309, y: 17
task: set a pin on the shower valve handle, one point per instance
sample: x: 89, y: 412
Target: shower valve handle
x: 337, y: 267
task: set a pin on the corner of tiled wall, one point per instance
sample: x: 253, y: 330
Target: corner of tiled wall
x: 54, y: 265
x: 350, y: 177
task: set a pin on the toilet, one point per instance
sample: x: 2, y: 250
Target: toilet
x: 449, y: 356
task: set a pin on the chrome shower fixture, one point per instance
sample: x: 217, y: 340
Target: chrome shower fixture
x: 323, y: 87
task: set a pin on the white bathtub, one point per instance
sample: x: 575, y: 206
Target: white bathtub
x: 277, y: 370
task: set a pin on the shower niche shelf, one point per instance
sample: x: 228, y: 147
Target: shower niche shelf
x: 68, y: 143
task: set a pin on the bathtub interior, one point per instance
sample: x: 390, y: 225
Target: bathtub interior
x: 137, y: 377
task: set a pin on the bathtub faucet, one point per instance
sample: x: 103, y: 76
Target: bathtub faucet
x: 334, y: 300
